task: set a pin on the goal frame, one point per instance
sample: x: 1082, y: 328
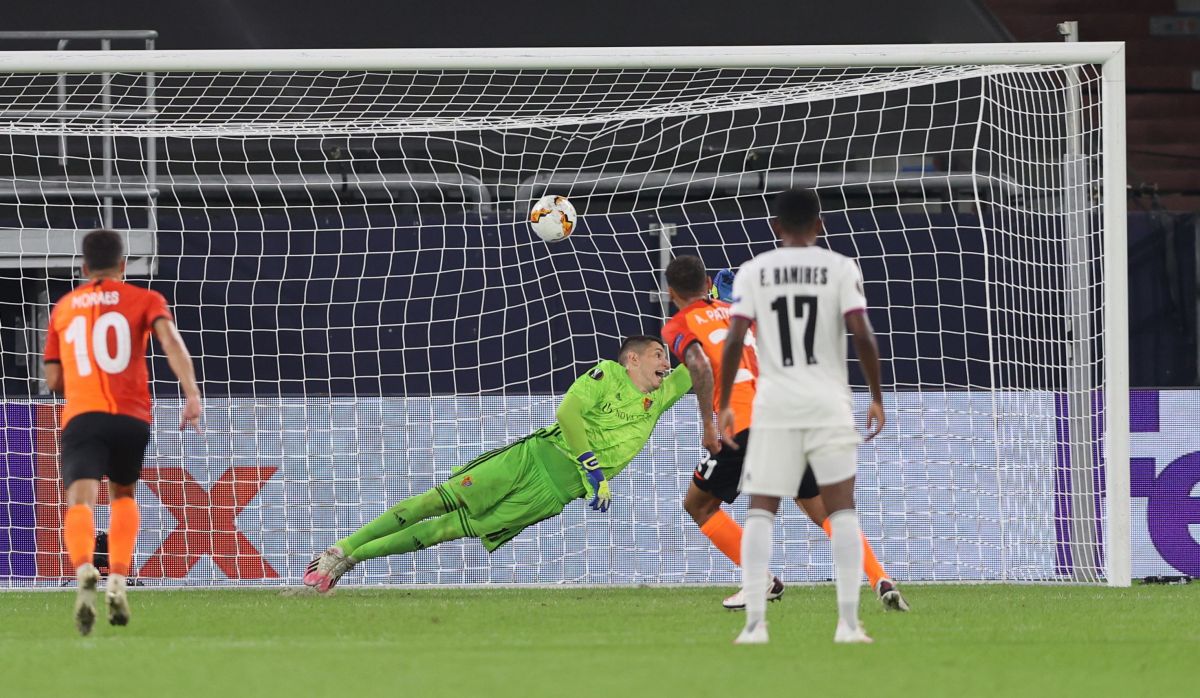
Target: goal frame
x: 1109, y: 56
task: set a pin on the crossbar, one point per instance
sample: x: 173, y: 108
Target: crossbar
x: 558, y: 58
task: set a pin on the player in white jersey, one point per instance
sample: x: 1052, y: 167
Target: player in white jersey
x: 804, y: 299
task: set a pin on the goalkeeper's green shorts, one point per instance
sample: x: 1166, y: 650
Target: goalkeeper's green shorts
x: 507, y: 490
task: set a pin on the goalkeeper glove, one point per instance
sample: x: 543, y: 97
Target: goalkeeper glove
x: 722, y: 288
x: 593, y: 480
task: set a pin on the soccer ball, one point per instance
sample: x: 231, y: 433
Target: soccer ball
x: 552, y: 218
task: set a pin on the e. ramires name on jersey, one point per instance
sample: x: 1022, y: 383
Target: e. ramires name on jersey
x: 776, y: 276
x: 87, y: 300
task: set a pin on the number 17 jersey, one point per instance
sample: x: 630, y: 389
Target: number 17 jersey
x: 799, y: 297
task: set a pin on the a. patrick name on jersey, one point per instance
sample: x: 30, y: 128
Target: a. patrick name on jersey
x: 712, y: 313
x: 775, y: 276
x: 91, y: 298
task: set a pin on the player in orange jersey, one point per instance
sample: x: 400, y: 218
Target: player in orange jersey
x: 696, y: 335
x: 96, y: 355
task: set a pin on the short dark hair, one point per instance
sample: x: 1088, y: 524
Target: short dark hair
x: 637, y: 343
x: 103, y: 249
x: 687, y: 275
x: 797, y: 209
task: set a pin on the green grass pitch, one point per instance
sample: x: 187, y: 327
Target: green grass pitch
x: 966, y: 640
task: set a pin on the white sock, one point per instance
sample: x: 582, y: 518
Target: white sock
x: 847, y: 563
x: 756, y: 562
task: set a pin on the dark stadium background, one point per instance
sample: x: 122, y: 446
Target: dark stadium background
x: 1162, y: 238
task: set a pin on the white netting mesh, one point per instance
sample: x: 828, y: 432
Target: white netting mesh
x: 304, y: 103
x: 347, y: 257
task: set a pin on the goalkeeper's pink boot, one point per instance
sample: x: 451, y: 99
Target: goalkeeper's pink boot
x: 324, y: 572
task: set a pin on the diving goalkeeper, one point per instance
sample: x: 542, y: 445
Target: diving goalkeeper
x: 604, y: 420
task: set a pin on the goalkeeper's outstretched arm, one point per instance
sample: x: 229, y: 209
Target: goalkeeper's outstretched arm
x: 570, y: 419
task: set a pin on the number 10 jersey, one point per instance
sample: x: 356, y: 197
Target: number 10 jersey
x: 799, y: 297
x: 99, y: 332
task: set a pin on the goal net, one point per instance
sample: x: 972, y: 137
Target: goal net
x: 347, y: 254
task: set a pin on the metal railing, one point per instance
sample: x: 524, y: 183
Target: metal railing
x: 105, y: 189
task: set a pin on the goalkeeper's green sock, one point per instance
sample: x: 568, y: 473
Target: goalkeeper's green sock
x: 434, y: 502
x: 417, y: 537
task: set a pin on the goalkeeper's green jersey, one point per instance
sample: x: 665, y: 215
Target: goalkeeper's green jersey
x: 618, y: 419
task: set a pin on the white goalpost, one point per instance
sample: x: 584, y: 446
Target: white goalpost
x: 343, y: 238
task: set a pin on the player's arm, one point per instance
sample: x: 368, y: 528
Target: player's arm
x: 181, y: 364
x: 686, y: 347
x: 722, y: 288
x: 579, y: 398
x: 570, y: 418
x: 701, y: 371
x: 853, y: 301
x: 51, y: 363
x: 54, y: 376
x: 731, y: 359
x: 867, y: 350
x: 741, y: 314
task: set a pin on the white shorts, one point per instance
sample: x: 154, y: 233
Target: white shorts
x: 776, y: 458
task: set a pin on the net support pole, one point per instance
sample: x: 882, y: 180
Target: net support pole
x: 1082, y: 377
x: 664, y: 231
x: 108, y: 142
x: 151, y: 157
x: 1116, y: 325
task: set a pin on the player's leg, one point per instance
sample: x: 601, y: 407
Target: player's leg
x: 456, y: 492
x: 124, y: 520
x: 831, y: 454
x: 79, y: 533
x: 756, y: 567
x: 774, y: 465
x: 515, y: 504
x: 810, y: 501
x: 714, y: 481
x: 84, y: 460
x: 720, y: 529
x: 129, y: 438
x: 477, y: 486
x: 429, y: 504
x: 425, y: 534
x: 79, y: 525
x: 326, y: 569
x: 847, y: 558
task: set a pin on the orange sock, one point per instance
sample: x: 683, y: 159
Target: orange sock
x: 79, y: 532
x: 122, y: 534
x: 726, y: 534
x: 871, y: 566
